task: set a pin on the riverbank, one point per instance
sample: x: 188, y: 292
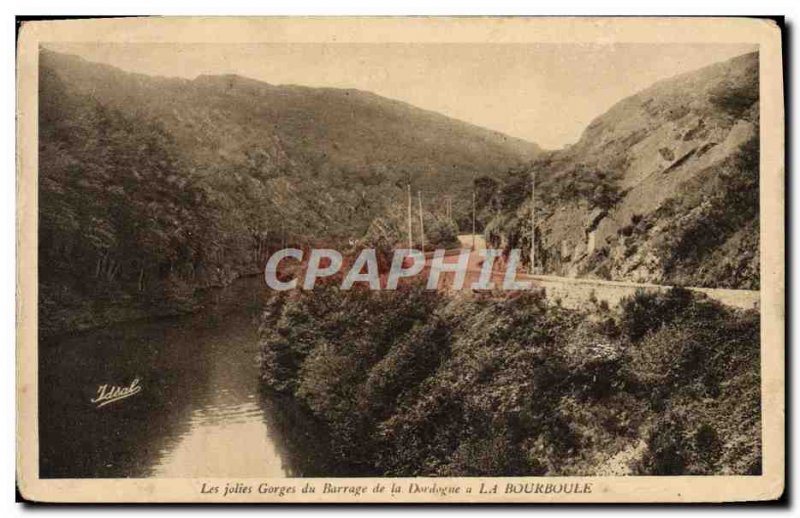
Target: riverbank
x: 426, y: 385
x: 63, y: 310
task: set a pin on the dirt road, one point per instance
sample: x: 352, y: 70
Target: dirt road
x: 574, y: 292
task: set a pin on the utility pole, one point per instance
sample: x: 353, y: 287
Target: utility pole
x: 473, y: 216
x: 421, y: 223
x: 410, y: 232
x: 533, y: 221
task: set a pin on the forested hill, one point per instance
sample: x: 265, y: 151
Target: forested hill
x: 152, y: 187
x: 661, y: 188
x: 348, y: 139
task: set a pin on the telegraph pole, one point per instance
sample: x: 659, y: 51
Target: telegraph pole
x: 533, y: 220
x: 421, y: 222
x: 410, y: 232
x: 473, y: 216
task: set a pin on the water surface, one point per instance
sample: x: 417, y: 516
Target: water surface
x: 201, y: 411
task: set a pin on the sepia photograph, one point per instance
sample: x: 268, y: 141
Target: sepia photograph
x: 461, y: 269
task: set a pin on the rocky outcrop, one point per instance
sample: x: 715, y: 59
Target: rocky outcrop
x: 657, y: 189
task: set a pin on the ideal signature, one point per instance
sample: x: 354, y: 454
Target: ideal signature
x: 107, y: 394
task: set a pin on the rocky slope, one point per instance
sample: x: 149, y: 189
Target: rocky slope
x: 661, y: 188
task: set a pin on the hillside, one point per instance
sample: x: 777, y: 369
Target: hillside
x: 349, y: 140
x: 152, y: 188
x: 661, y: 188
x: 431, y: 385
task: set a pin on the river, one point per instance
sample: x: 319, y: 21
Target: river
x: 200, y: 412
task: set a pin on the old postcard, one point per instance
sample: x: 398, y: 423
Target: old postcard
x: 400, y: 260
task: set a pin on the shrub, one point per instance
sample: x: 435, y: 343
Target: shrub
x: 646, y: 311
x: 667, y: 448
x: 735, y: 99
x: 678, y: 445
x: 697, y: 364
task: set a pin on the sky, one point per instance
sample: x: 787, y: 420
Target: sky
x: 544, y: 93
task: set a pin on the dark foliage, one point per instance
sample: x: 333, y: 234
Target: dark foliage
x: 430, y: 386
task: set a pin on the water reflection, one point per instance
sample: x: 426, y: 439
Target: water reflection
x: 226, y: 422
x: 200, y: 412
x: 299, y: 438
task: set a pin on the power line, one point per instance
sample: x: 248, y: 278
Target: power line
x: 421, y: 222
x: 410, y: 231
x: 533, y: 221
